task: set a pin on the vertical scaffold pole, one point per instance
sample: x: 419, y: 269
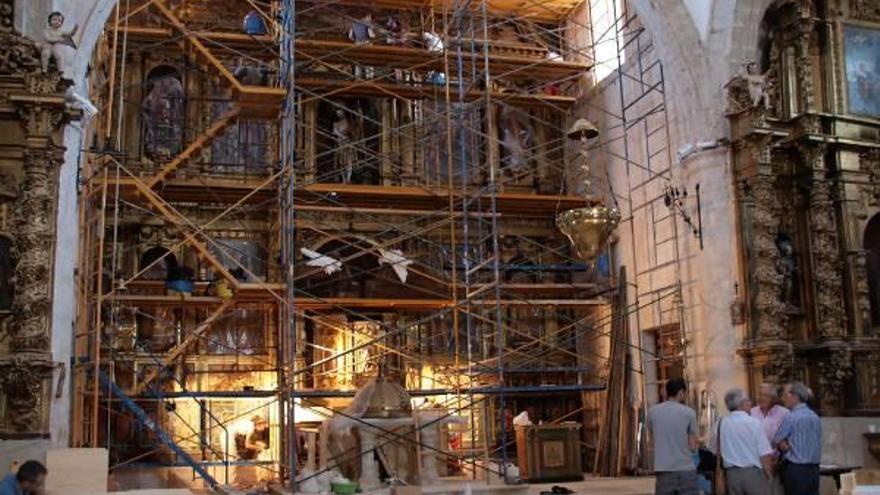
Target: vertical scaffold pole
x: 289, y: 331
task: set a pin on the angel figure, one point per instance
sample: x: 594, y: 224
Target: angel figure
x: 757, y: 86
x: 57, y: 42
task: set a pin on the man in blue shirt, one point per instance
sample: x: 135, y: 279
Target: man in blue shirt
x: 800, y: 439
x: 30, y: 480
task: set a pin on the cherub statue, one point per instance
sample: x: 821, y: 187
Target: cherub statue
x: 757, y: 86
x: 55, y: 41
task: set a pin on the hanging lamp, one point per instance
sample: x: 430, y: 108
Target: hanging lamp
x: 587, y: 228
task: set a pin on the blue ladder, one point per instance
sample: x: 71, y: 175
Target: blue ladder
x: 149, y: 423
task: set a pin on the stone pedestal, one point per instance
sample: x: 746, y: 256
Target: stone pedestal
x: 430, y: 422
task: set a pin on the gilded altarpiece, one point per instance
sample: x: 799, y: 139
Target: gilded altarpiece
x: 33, y: 111
x: 808, y: 176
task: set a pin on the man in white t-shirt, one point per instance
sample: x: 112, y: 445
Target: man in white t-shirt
x: 745, y: 451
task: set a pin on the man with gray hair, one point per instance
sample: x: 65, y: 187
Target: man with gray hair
x: 745, y: 452
x: 770, y: 413
x: 800, y: 439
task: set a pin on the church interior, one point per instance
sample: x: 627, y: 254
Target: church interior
x: 427, y: 246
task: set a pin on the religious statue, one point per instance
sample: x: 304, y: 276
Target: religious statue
x: 516, y: 141
x: 163, y: 114
x: 345, y: 155
x: 787, y: 267
x: 757, y: 86
x: 57, y: 42
x: 748, y: 90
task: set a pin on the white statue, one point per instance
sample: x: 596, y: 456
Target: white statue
x: 757, y: 86
x: 57, y: 42
x: 343, y: 133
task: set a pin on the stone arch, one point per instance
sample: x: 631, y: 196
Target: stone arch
x: 871, y: 244
x: 166, y: 263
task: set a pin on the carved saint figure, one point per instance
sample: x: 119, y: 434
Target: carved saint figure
x: 757, y: 86
x: 516, y: 141
x: 343, y: 133
x: 162, y: 112
x: 787, y: 267
x: 57, y: 43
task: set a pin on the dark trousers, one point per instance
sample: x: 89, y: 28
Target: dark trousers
x: 800, y: 479
x: 676, y: 483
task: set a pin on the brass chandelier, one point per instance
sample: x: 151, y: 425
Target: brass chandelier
x: 587, y: 228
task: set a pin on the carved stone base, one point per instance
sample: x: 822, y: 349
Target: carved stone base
x: 23, y: 378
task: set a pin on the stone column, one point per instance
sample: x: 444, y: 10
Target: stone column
x: 369, y: 467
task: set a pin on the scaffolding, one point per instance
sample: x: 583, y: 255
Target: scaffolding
x: 271, y: 218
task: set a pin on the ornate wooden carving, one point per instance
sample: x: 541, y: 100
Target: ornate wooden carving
x: 835, y: 370
x: 38, y: 99
x: 34, y: 240
x: 768, y: 308
x: 866, y: 10
x: 869, y: 163
x: 862, y: 290
x: 23, y: 377
x: 827, y: 262
x: 805, y: 64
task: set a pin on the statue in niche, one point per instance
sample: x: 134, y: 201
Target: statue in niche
x: 163, y: 112
x: 517, y: 141
x: 57, y: 43
x: 757, y: 86
x: 345, y: 154
x: 748, y: 90
x: 787, y: 267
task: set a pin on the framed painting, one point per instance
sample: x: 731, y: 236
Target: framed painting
x: 861, y: 48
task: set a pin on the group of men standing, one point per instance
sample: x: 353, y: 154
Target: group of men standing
x: 772, y: 448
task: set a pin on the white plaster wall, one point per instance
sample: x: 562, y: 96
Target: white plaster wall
x: 700, y: 12
x: 843, y: 443
x: 18, y: 451
x: 63, y: 292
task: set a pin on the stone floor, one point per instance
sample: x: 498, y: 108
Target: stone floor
x: 602, y: 486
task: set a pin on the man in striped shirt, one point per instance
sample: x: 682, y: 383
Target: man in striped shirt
x: 800, y: 439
